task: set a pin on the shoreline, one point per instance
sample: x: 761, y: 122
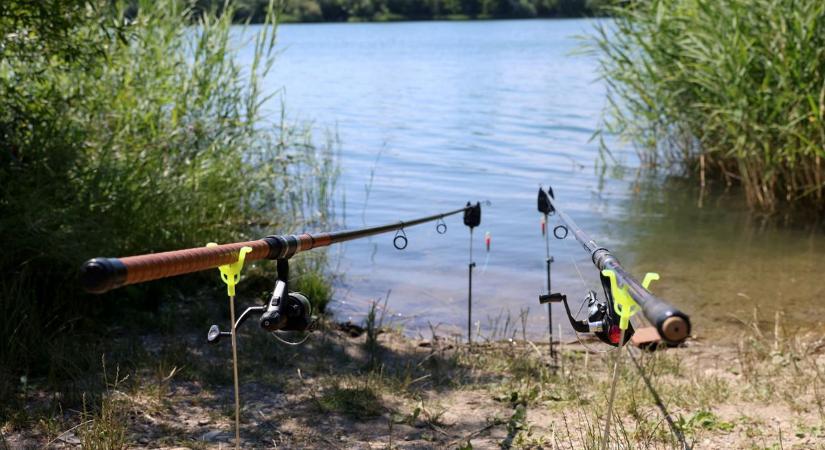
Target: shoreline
x: 343, y: 389
x: 289, y: 21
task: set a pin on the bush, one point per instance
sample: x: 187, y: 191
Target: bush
x: 131, y: 131
x: 730, y: 90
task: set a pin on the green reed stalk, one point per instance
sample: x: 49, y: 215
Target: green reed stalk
x: 129, y: 127
x: 731, y: 90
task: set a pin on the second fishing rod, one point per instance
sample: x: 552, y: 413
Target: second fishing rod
x: 672, y: 325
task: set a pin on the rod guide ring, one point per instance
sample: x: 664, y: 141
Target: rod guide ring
x: 441, y: 226
x: 400, y: 240
x: 557, y: 231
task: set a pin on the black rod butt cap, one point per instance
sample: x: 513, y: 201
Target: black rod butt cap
x: 100, y: 275
x: 675, y: 327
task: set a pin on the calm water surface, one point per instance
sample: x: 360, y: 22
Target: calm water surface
x: 433, y: 114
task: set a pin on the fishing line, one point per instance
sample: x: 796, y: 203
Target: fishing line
x: 284, y: 341
x: 589, y: 348
x: 581, y: 277
x: 486, y: 261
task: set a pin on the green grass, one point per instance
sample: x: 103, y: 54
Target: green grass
x: 527, y: 402
x: 133, y: 127
x: 706, y: 420
x: 731, y: 92
x: 104, y: 427
x: 356, y: 402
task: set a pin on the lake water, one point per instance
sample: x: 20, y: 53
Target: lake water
x: 434, y: 114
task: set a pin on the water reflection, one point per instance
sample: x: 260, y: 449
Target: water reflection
x: 432, y: 114
x: 719, y: 262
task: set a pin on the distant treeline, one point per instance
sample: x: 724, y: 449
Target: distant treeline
x: 387, y: 10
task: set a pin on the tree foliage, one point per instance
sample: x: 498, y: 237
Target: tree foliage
x: 370, y: 10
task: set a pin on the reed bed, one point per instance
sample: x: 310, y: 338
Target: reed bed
x: 125, y: 128
x: 731, y: 91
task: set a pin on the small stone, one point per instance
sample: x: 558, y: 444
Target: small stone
x: 203, y: 422
x: 69, y: 438
x: 212, y: 436
x: 143, y: 440
x: 412, y: 437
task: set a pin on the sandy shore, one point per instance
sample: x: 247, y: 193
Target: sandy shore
x: 343, y: 390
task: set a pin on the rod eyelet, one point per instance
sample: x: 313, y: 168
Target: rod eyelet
x: 441, y: 227
x: 400, y: 240
x: 557, y: 231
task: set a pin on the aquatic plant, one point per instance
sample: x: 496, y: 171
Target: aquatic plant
x: 731, y: 91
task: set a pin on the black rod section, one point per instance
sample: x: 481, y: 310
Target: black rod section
x: 348, y: 235
x: 672, y: 324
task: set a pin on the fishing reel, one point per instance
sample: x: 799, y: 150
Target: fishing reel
x: 601, y: 320
x: 285, y: 311
x: 290, y: 312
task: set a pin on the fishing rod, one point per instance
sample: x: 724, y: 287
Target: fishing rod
x: 603, y: 319
x: 285, y: 311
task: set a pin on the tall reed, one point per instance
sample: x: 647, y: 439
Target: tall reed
x: 732, y: 91
x: 131, y: 127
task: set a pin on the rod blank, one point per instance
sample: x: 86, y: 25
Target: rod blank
x: 672, y: 324
x: 101, y: 275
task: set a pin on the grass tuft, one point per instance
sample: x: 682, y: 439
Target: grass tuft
x: 357, y: 402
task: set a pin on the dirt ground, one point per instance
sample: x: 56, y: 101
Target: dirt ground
x: 343, y: 390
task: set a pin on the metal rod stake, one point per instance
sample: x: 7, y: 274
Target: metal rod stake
x: 616, y: 365
x: 549, y: 260
x: 235, y: 373
x: 470, y: 293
